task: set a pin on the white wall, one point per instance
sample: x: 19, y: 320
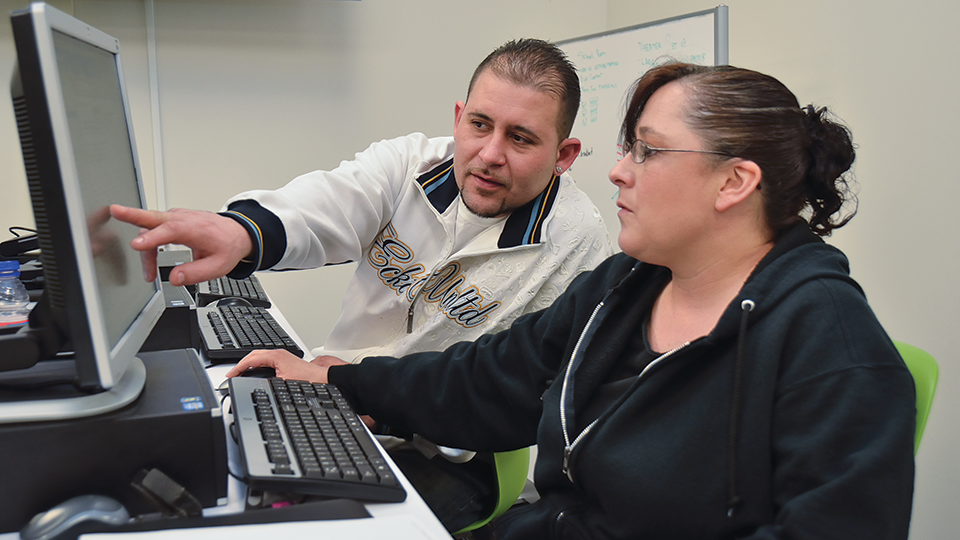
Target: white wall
x: 254, y: 92
x: 889, y: 70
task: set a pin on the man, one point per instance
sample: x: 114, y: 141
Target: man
x: 455, y: 237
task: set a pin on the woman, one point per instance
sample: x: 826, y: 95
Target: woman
x: 723, y: 377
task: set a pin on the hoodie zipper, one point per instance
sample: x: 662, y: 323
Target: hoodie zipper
x: 569, y: 445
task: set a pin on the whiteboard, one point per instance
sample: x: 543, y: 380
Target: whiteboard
x: 608, y: 64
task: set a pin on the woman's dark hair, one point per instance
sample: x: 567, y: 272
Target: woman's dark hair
x: 803, y: 153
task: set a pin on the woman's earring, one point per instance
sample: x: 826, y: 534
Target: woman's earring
x: 559, y: 170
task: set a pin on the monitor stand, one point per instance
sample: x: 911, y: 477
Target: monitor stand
x: 42, y: 404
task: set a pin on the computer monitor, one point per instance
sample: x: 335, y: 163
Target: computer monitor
x: 80, y: 157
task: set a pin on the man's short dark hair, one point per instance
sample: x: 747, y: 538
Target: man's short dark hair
x: 539, y: 65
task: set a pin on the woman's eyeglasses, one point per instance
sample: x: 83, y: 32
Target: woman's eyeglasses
x: 640, y: 151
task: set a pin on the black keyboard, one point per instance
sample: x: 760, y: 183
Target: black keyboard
x: 248, y: 288
x: 229, y: 333
x: 301, y: 437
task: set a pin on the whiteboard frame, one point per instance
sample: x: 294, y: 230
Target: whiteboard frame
x: 721, y: 31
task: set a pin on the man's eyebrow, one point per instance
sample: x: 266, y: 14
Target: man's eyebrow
x: 510, y: 127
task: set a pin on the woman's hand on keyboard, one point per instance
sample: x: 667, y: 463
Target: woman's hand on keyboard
x: 285, y: 364
x: 293, y: 367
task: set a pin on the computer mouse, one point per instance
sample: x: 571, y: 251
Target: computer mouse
x: 224, y: 388
x: 91, y: 510
x: 234, y: 301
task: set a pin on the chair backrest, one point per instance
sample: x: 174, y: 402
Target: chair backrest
x: 512, y: 470
x: 924, y: 370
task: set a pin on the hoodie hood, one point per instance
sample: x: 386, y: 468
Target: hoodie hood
x: 797, y: 258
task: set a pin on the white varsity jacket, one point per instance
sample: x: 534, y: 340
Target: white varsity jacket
x: 393, y: 210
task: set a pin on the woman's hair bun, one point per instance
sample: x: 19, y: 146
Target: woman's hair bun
x: 830, y: 154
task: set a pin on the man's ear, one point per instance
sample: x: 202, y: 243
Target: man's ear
x: 742, y: 180
x: 568, y: 151
x: 457, y: 113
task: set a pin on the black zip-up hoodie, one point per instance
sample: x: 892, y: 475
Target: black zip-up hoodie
x: 794, y: 418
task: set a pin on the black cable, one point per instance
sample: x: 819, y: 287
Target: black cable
x: 13, y: 230
x: 19, y: 244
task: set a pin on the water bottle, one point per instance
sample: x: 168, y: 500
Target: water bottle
x: 14, y: 298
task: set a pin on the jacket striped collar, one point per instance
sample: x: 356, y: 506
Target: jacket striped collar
x: 525, y: 224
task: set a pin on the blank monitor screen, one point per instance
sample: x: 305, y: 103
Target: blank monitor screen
x: 107, y: 175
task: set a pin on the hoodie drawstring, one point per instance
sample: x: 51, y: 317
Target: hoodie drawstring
x: 734, y: 499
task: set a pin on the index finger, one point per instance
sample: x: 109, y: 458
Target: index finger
x: 148, y: 219
x: 157, y: 228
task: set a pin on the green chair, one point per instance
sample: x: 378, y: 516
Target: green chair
x: 512, y: 470
x: 924, y: 370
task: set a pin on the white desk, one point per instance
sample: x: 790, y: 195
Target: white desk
x: 236, y: 490
x: 394, y: 513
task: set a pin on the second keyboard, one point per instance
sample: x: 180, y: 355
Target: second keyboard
x: 248, y: 288
x: 229, y: 333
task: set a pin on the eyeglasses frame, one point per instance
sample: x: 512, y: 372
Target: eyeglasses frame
x: 646, y: 154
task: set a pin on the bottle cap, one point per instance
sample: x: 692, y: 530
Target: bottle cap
x: 10, y: 267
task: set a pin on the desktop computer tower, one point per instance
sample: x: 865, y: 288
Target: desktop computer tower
x: 175, y: 426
